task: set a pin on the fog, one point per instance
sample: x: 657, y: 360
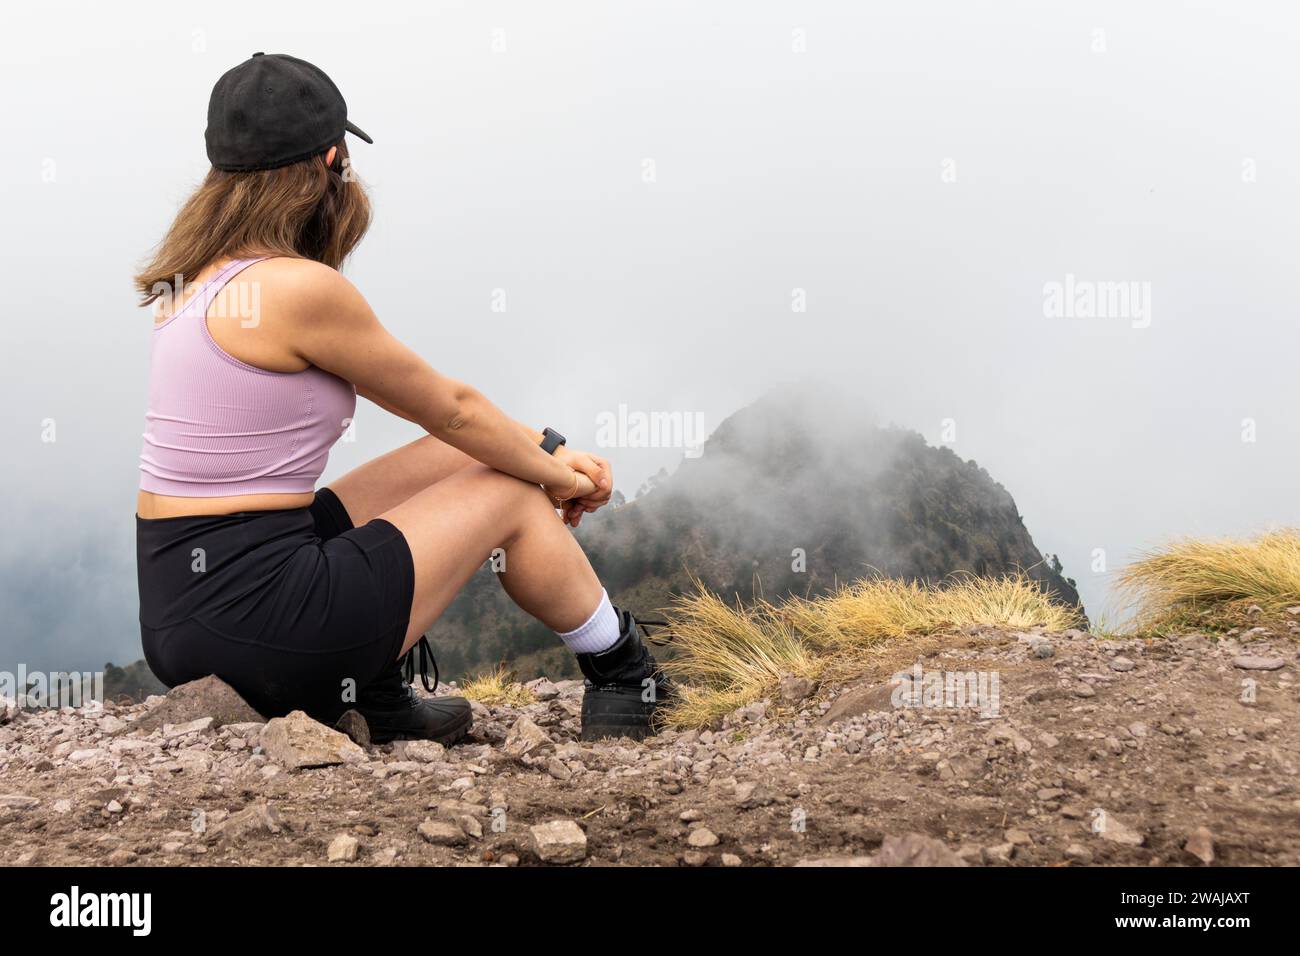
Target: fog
x: 675, y: 207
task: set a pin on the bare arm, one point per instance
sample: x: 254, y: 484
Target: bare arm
x: 333, y: 327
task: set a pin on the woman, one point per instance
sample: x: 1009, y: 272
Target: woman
x: 309, y: 599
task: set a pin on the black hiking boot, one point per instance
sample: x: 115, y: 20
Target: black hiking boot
x: 623, y: 689
x: 393, y: 710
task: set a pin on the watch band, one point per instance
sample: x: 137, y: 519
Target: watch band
x: 551, y: 440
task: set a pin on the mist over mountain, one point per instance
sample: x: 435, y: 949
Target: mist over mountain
x: 793, y: 494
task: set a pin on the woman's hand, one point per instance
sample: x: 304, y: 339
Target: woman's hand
x: 597, y: 472
x: 566, y: 498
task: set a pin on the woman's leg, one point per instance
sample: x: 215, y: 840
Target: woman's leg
x: 453, y: 526
x: 369, y: 490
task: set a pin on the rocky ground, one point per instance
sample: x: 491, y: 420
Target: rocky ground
x: 1169, y: 751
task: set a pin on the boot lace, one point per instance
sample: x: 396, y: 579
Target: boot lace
x: 426, y: 660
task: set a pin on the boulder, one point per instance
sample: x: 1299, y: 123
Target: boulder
x: 205, y: 697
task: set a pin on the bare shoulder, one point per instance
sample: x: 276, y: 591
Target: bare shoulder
x: 302, y: 289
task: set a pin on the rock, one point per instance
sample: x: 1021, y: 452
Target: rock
x: 425, y: 751
x: 1254, y: 662
x: 750, y: 795
x: 864, y: 699
x: 525, y: 737
x: 543, y: 689
x: 18, y: 801
x: 205, y: 697
x: 695, y: 858
x: 559, y: 841
x: 1084, y: 690
x: 1001, y: 853
x: 1114, y: 830
x: 1200, y: 844
x: 1077, y: 853
x: 702, y: 837
x: 442, y: 833
x: 172, y: 731
x: 1018, y: 838
x: 297, y: 742
x: 835, y: 861
x: 353, y: 724
x: 256, y: 820
x: 731, y: 860
x: 791, y: 690
x: 558, y: 769
x: 1121, y: 664
x: 1044, y: 650
x: 343, y: 849
x: 915, y: 849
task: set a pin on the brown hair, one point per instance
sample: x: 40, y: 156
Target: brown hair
x: 306, y: 210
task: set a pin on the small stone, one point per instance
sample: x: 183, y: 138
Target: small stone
x: 558, y: 769
x: 1114, y: 830
x: 172, y: 731
x: 425, y: 751
x: 750, y: 795
x: 1017, y: 838
x: 18, y: 801
x: 731, y: 860
x: 997, y: 854
x: 1084, y: 690
x: 297, y: 742
x: 353, y: 724
x: 1255, y: 662
x: 343, y: 849
x: 1200, y: 844
x: 915, y: 849
x: 559, y: 841
x: 113, y: 807
x: 525, y: 737
x: 1078, y: 853
x: 1121, y: 664
x: 253, y: 822
x: 1044, y: 650
x: 441, y: 833
x: 793, y: 690
x: 702, y: 837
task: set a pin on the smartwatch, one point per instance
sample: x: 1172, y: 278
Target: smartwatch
x: 551, y: 440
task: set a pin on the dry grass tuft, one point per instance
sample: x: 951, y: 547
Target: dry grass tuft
x: 1210, y: 584
x: 497, y: 686
x: 731, y: 656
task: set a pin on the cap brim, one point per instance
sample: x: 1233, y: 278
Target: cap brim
x: 356, y: 130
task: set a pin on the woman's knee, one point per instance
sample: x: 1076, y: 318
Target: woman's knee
x: 523, y: 498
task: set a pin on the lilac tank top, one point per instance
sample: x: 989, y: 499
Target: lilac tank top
x: 217, y: 427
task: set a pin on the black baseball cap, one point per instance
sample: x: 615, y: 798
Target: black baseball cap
x: 272, y: 110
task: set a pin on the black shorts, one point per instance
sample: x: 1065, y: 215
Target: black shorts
x: 292, y: 608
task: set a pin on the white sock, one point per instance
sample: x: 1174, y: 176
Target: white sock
x: 600, y: 633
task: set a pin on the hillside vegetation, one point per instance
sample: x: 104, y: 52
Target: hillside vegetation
x: 1215, y: 584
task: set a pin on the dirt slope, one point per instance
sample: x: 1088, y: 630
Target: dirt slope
x: 1100, y: 752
